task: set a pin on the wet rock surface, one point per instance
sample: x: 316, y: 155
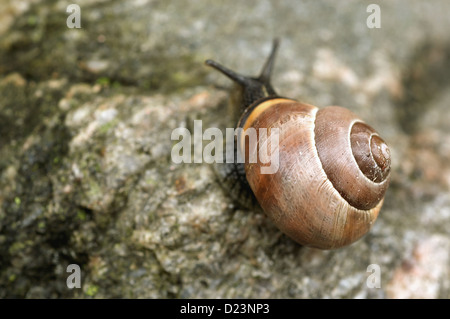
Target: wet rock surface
x: 86, y: 176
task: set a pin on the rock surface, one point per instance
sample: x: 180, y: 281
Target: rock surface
x: 86, y: 175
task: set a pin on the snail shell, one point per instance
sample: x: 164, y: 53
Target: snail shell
x: 334, y: 169
x: 332, y: 177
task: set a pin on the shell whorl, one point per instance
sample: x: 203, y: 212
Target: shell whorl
x: 346, y: 148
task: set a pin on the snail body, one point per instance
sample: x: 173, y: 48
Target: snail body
x: 334, y: 169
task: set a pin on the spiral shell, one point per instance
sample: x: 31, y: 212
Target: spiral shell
x: 333, y: 174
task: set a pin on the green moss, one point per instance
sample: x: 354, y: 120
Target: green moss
x: 91, y: 290
x: 116, y: 85
x: 32, y: 20
x: 12, y: 277
x: 180, y: 78
x: 19, y: 246
x: 107, y: 126
x: 81, y: 215
x: 94, y: 189
x: 103, y: 81
x: 151, y: 182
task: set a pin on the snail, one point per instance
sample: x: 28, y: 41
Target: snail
x: 334, y: 169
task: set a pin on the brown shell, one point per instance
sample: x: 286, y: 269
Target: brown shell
x: 319, y: 196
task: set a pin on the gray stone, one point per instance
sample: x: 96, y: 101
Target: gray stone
x: 86, y: 175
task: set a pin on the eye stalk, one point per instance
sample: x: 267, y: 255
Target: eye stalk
x: 253, y: 88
